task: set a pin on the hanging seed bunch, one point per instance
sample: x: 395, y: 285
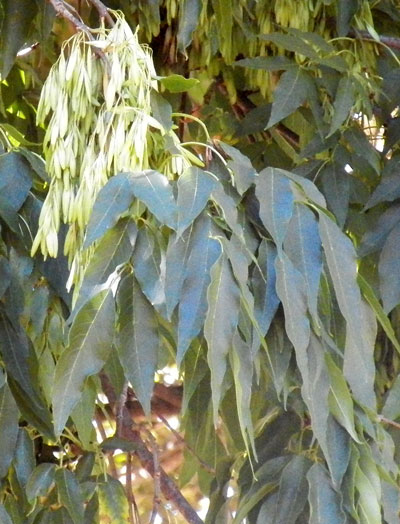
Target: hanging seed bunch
x: 99, y: 125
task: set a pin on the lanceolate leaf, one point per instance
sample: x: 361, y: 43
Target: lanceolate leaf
x: 266, y: 300
x: 275, y: 195
x: 70, y: 494
x: 336, y: 188
x: 291, y: 289
x: 325, y: 504
x: 204, y: 252
x: 113, y: 502
x: 188, y: 19
x: 243, y: 171
x: 113, y: 200
x: 223, y: 311
x: 387, y: 191
x: 154, y: 190
x: 303, y: 247
x: 90, y: 340
x: 40, y: 481
x: 359, y: 368
x: 389, y: 270
x: 292, y: 91
x: 343, y: 103
x: 375, y: 237
x: 194, y: 189
x: 138, y: 340
x: 293, y: 488
x: 266, y: 63
x: 8, y: 428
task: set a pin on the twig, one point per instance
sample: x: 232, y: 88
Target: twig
x: 388, y: 421
x: 120, y: 410
x: 61, y: 9
x: 203, y: 464
x: 390, y: 41
x: 133, y: 509
x: 157, y: 487
x: 168, y: 488
x: 103, y: 11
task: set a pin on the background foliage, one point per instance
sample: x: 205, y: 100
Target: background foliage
x: 257, y: 301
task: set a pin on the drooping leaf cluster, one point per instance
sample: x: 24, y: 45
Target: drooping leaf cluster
x: 269, y: 277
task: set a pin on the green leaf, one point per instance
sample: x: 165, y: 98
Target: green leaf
x: 376, y: 235
x: 276, y: 198
x: 40, y: 481
x: 325, y: 504
x: 194, y: 190
x: 291, y: 289
x: 161, y: 110
x: 113, y: 443
x: 138, y: 340
x: 343, y: 103
x: 389, y: 271
x: 346, y: 9
x: 113, y: 502
x: 189, y: 12
x: 8, y: 428
x: 24, y: 459
x: 219, y: 327
x: 178, y: 83
x: 243, y: 172
x: 336, y: 188
x: 337, y: 451
x: 15, y: 183
x: 266, y: 63
x: 224, y: 10
x: 292, y: 91
x: 302, y: 244
x: 5, y: 275
x: 114, y: 249
x: 359, y: 367
x: 204, y: 251
x: 368, y: 503
x: 387, y: 191
x: 292, y: 491
x: 242, y: 368
x: 113, y: 200
x: 90, y: 340
x: 291, y: 42
x: 372, y: 300
x: 154, y: 190
x: 83, y: 414
x: 69, y: 493
x: 266, y: 301
x: 18, y: 16
x: 391, y: 408
x: 340, y: 401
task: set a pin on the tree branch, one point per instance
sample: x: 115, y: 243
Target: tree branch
x: 391, y: 41
x: 103, y: 11
x: 61, y: 10
x: 168, y: 487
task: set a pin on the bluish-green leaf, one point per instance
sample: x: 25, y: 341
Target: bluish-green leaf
x: 275, y: 195
x: 194, y: 189
x: 291, y: 289
x: 292, y: 91
x: 387, y: 191
x: 291, y: 42
x: 113, y: 200
x: 389, y: 270
x: 376, y: 235
x: 189, y: 12
x: 24, y: 459
x: 343, y: 103
x: 359, y: 367
x: 325, y: 504
x: 4, y: 516
x: 336, y: 188
x: 161, y: 110
x: 15, y: 183
x: 303, y: 246
x: 243, y: 172
x: 154, y: 190
x: 266, y: 63
x: 345, y: 11
x: 266, y: 301
x: 40, y: 481
x: 90, y: 340
x: 292, y: 492
x: 219, y: 327
x: 138, y: 340
x: 69, y: 493
x: 204, y: 251
x: 8, y: 428
x: 337, y: 451
x: 83, y: 414
x: 5, y: 275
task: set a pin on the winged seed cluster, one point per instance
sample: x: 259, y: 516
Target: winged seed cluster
x: 100, y: 118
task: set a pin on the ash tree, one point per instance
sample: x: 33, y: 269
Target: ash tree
x: 199, y: 261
